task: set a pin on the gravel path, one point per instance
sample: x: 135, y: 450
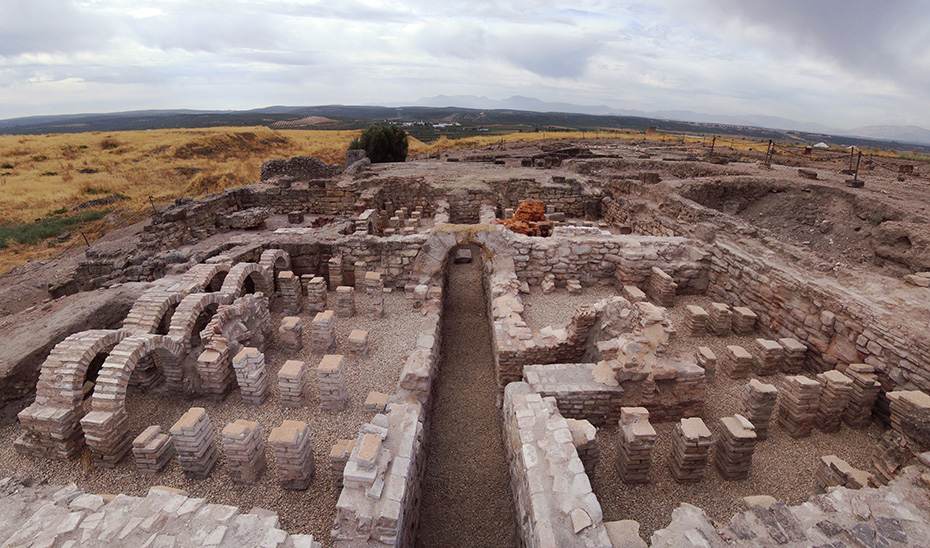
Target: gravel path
x: 466, y: 499
x: 308, y: 512
x: 782, y: 466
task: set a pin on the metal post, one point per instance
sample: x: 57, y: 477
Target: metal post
x: 712, y: 143
x: 153, y: 205
x: 852, y: 152
x: 858, y: 159
x: 85, y: 240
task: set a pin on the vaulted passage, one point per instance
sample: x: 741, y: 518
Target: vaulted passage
x: 466, y: 499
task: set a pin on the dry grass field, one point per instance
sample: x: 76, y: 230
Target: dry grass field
x: 51, y: 185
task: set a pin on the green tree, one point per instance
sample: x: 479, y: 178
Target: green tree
x: 382, y: 143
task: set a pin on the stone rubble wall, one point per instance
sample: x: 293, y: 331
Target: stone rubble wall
x: 48, y: 515
x: 894, y: 515
x: 840, y: 324
x: 552, y: 494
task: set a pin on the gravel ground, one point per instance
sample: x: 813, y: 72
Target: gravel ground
x: 782, y: 466
x: 310, y: 512
x: 557, y: 308
x: 466, y: 498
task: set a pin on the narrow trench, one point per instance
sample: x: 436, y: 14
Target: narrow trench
x: 466, y: 499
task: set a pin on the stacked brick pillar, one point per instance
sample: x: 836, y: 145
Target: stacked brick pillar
x: 769, y: 355
x: 691, y: 443
x: 737, y: 362
x: 323, y: 332
x: 759, y: 400
x: 835, y: 391
x: 695, y: 320
x: 244, y: 448
x: 634, y: 451
x: 249, y: 365
x: 316, y: 294
x: 795, y: 355
x: 374, y: 295
x: 195, y: 444
x: 291, y: 294
x: 293, y: 454
x: 797, y: 406
x: 291, y: 333
x: 662, y: 288
x: 864, y: 393
x: 735, y: 446
x: 719, y: 319
x: 152, y: 450
x: 345, y: 301
x: 331, y: 374
x: 293, y: 380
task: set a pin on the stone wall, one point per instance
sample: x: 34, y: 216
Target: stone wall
x: 858, y: 321
x: 552, y: 494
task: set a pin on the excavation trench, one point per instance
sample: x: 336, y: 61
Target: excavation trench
x: 466, y: 499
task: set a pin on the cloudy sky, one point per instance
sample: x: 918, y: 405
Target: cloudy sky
x: 841, y: 63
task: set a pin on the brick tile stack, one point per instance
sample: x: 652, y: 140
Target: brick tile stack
x: 244, y: 447
x: 293, y: 455
x: 719, y: 319
x: 345, y: 301
x: 362, y: 471
x: 759, y: 400
x: 195, y: 444
x: 338, y: 457
x: 889, y: 455
x: 293, y: 380
x: 634, y: 448
x: 375, y: 402
x: 744, y: 320
x: 50, y: 432
x: 695, y: 320
x: 291, y: 295
x: 331, y: 374
x: 706, y: 358
x: 862, y: 399
x: 737, y: 362
x: 797, y: 405
x: 735, y: 445
x: 152, y: 450
x: 573, y: 286
x: 107, y: 436
x: 249, y: 365
x: 358, y: 344
x: 316, y: 294
x: 323, y: 332
x: 795, y: 355
x: 769, y: 355
x: 374, y: 295
x: 691, y: 443
x: 360, y: 269
x: 833, y: 471
x: 213, y: 365
x: 584, y: 438
x: 548, y: 282
x: 835, y: 390
x: 291, y: 333
x: 335, y: 272
x: 905, y: 403
x: 662, y: 288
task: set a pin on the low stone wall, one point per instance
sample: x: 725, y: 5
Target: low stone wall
x: 552, y: 494
x: 47, y: 515
x: 579, y: 396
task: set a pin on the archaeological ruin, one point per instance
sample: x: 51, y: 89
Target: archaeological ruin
x: 581, y: 346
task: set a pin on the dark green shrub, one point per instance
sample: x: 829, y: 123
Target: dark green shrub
x: 382, y: 143
x: 7, y: 165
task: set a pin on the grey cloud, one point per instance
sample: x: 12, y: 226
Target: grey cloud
x: 51, y: 26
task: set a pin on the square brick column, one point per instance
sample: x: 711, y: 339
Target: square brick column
x: 291, y: 333
x: 759, y: 400
x: 291, y: 294
x: 719, y: 319
x: 358, y: 344
x: 795, y: 355
x: 744, y: 320
x: 862, y: 399
x: 768, y: 355
x: 835, y: 391
x: 736, y: 443
x: 323, y: 332
x: 634, y: 447
x: 345, y: 301
x: 316, y: 294
x: 331, y: 374
x: 293, y: 383
x: 691, y: 443
x: 696, y: 320
x: 249, y: 365
x: 215, y: 368
x: 293, y: 455
x: 706, y: 358
x: 374, y: 295
x: 244, y: 447
x: 737, y: 362
x: 152, y: 450
x: 797, y: 406
x: 584, y: 438
x: 662, y: 288
x: 338, y: 457
x: 195, y: 443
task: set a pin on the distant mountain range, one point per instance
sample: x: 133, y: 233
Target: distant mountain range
x: 518, y: 112
x: 903, y: 134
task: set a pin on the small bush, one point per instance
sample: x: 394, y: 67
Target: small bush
x: 382, y: 143
x: 108, y: 143
x: 49, y: 173
x: 95, y: 191
x: 59, y: 211
x: 6, y: 165
x: 39, y: 158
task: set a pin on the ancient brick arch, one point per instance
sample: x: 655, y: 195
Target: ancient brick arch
x: 105, y: 427
x: 52, y: 422
x: 205, y: 277
x: 184, y: 320
x: 246, y: 322
x: 275, y: 261
x: 235, y: 282
x: 150, y: 310
x: 431, y: 259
